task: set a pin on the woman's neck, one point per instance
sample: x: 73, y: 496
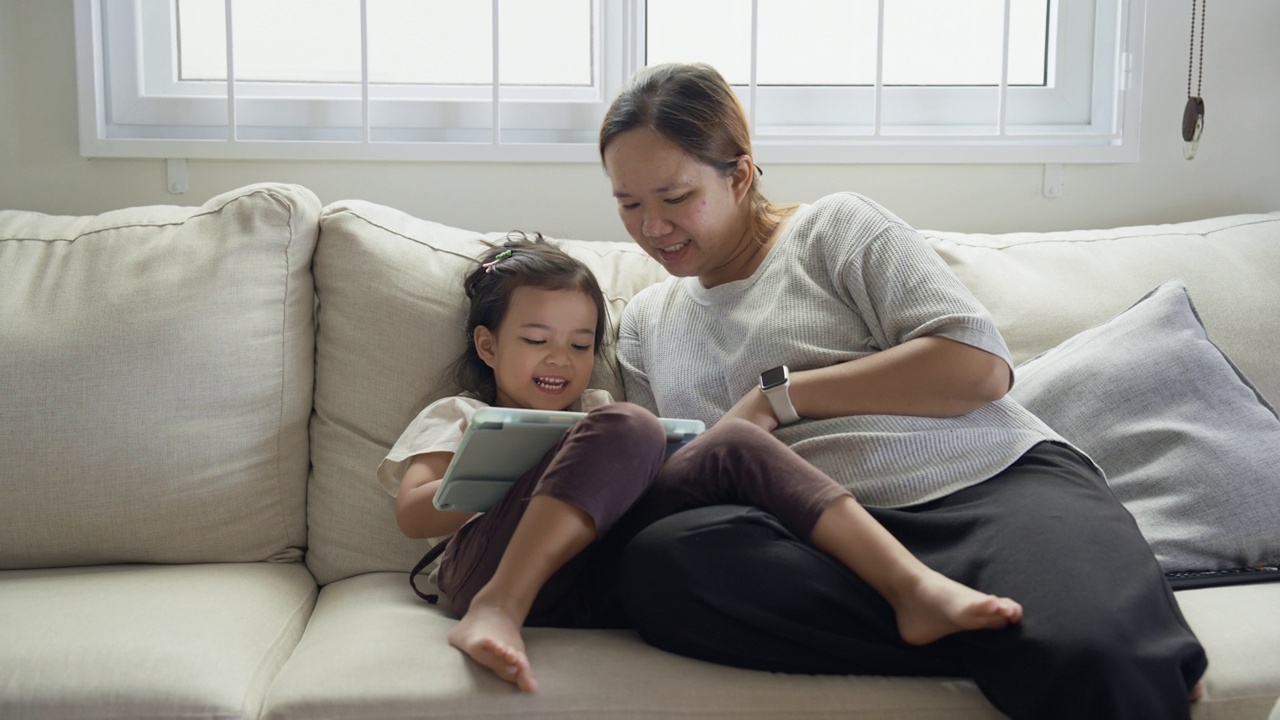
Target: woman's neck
x: 759, y: 234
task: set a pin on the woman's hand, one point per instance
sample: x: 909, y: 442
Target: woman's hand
x: 754, y: 407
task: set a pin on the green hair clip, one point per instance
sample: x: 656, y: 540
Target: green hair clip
x: 488, y: 267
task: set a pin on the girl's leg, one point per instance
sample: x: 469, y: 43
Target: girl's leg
x: 738, y: 588
x: 549, y: 534
x: 737, y: 462
x: 519, y: 556
x: 927, y: 604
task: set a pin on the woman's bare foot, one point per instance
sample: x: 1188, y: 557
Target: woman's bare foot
x: 492, y: 638
x: 936, y: 606
x: 1197, y: 692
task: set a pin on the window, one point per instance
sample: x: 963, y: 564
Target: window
x: 822, y: 80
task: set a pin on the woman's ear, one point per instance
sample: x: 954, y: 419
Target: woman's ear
x: 743, y: 177
x: 486, y: 343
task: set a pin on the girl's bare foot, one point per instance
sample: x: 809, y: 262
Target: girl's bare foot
x: 937, y: 606
x: 492, y: 638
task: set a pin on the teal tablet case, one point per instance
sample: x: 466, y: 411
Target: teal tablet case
x: 501, y: 444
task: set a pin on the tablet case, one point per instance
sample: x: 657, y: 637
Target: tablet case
x: 502, y: 444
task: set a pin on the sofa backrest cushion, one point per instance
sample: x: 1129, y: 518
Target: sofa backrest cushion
x: 1043, y: 288
x: 390, y: 321
x: 156, y: 381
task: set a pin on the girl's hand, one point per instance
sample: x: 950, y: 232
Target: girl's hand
x: 754, y: 407
x: 416, y: 513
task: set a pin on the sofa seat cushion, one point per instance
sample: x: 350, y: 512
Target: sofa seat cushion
x: 373, y: 649
x: 142, y: 642
x: 390, y: 321
x: 156, y: 381
x: 1239, y: 627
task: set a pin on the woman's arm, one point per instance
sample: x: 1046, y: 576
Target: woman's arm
x: 416, y: 514
x: 911, y: 304
x: 928, y: 376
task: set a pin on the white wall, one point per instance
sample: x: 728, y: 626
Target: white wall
x: 1237, y: 170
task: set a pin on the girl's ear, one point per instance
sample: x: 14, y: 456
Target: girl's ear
x: 486, y: 344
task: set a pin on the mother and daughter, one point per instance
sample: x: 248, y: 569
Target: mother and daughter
x: 833, y: 356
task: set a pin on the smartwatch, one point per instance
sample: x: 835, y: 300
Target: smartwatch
x: 775, y: 383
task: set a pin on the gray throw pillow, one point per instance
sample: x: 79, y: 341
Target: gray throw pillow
x: 1187, y: 443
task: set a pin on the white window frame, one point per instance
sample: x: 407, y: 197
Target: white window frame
x: 131, y: 105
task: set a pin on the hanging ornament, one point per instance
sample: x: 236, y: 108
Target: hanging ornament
x: 1193, y: 113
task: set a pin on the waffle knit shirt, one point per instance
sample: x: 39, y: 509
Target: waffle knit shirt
x: 845, y: 279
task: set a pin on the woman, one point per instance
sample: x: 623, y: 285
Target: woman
x: 897, y: 382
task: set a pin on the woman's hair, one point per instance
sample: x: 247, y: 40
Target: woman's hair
x: 692, y: 106
x: 515, y: 262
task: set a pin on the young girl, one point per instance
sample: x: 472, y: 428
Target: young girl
x: 546, y: 554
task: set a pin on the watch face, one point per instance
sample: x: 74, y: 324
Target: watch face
x: 773, y: 377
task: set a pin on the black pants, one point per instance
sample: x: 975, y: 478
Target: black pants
x: 1101, y: 636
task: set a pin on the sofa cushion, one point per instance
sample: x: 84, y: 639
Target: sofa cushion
x: 143, y: 642
x: 374, y: 650
x: 390, y: 320
x: 1238, y: 628
x: 1042, y: 288
x: 1188, y: 445
x: 156, y: 381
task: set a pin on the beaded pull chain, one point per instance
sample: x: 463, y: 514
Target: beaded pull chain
x: 1193, y: 113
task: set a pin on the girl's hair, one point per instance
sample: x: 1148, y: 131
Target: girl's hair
x: 692, y: 106
x: 517, y: 261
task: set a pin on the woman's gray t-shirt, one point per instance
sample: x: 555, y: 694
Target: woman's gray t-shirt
x: 845, y: 279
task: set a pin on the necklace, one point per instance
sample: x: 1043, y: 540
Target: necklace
x: 1193, y: 113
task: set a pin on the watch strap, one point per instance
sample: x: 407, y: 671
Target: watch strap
x: 780, y: 399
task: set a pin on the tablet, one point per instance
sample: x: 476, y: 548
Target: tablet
x: 501, y: 444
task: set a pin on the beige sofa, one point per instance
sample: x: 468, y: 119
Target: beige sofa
x: 194, y: 400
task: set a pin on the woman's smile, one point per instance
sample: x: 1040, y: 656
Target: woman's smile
x: 673, y: 253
